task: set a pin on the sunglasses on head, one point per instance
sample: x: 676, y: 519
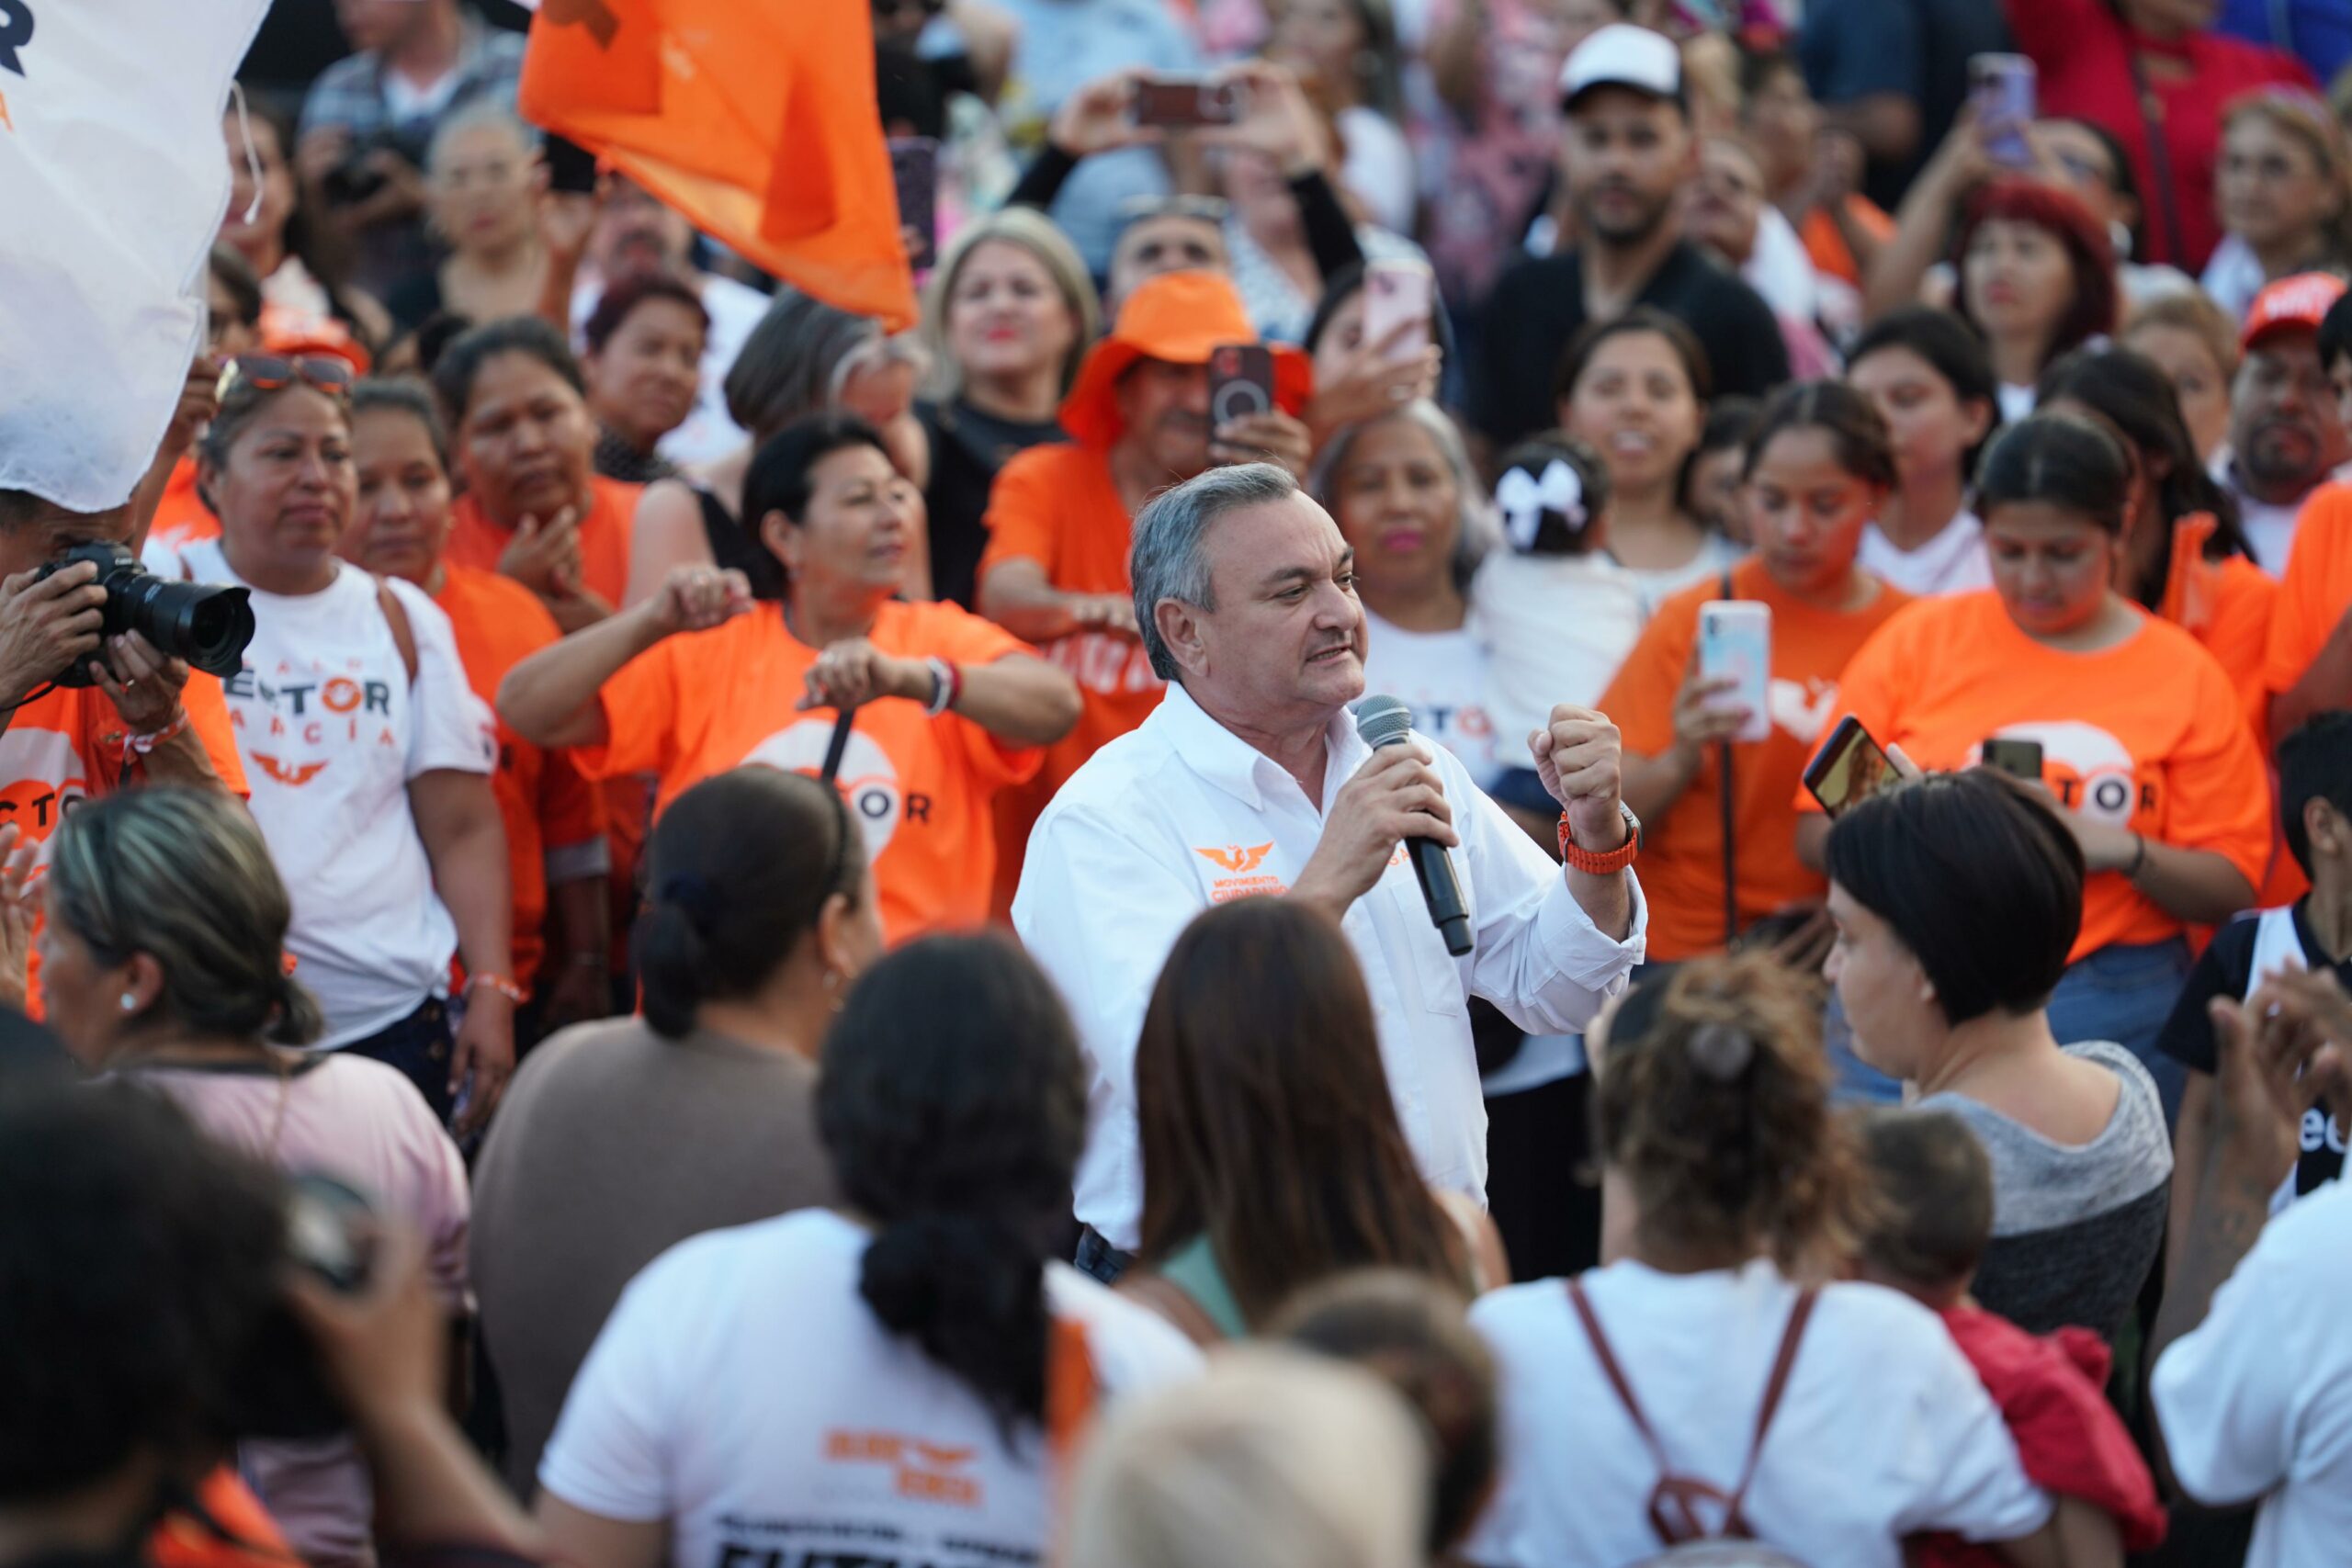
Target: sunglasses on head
x: 273, y: 372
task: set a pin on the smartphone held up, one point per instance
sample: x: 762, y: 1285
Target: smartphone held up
x: 1735, y: 645
x: 1181, y: 103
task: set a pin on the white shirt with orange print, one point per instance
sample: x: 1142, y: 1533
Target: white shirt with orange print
x: 331, y: 731
x: 1182, y: 814
x: 743, y: 1391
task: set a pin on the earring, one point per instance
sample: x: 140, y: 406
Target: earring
x: 833, y: 988
x: 129, y: 1002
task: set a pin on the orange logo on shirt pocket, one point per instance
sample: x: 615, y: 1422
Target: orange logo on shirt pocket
x: 1235, y: 858
x: 918, y: 1469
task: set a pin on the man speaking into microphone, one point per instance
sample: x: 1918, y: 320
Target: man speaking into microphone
x: 1250, y: 779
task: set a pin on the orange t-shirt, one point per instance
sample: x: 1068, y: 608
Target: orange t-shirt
x: 2316, y: 592
x: 1827, y: 247
x: 1682, y: 854
x: 1058, y: 506
x: 549, y: 808
x: 2226, y: 605
x: 920, y: 787
x: 65, y: 747
x: 477, y: 542
x: 2147, y: 734
x: 181, y: 516
x: 245, y: 1536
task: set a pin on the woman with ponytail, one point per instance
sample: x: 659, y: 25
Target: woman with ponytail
x: 622, y: 1138
x: 163, y: 960
x: 905, y: 1367
x: 1703, y: 1383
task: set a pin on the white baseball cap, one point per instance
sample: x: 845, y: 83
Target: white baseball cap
x: 1623, y: 55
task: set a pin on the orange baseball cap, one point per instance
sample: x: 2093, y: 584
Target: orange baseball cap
x: 1180, y: 318
x: 2301, y: 301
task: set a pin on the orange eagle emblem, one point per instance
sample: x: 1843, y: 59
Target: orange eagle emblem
x: 294, y: 774
x: 1235, y: 858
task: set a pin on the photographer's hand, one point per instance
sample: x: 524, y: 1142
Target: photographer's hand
x: 18, y: 855
x: 143, y: 683
x: 46, y: 625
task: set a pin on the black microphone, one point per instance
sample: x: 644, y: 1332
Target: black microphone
x: 1384, y: 721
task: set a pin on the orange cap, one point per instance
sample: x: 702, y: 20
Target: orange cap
x: 1180, y: 318
x: 2301, y: 301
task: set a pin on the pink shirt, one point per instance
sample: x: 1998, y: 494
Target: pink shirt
x: 364, y: 1124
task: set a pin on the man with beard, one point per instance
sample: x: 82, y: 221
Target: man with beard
x: 1056, y: 569
x: 1628, y: 150
x: 634, y: 235
x: 2286, y: 433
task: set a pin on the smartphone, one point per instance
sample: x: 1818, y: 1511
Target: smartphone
x: 1736, y: 640
x: 2002, y: 88
x: 572, y: 168
x: 1851, y: 766
x: 1241, y: 382
x: 914, y: 170
x: 2018, y: 759
x: 1182, y: 101
x: 1397, y: 299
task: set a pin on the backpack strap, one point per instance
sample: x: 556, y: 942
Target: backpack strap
x: 404, y: 635
x: 1800, y: 1315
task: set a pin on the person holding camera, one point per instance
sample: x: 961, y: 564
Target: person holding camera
x: 88, y: 705
x: 166, y: 924
x: 155, y: 1305
x: 368, y: 757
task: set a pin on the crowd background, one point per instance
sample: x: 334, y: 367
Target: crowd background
x: 653, y: 926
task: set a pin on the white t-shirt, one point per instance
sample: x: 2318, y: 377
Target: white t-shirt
x: 1952, y: 562
x: 1556, y: 629
x: 1882, y: 1431
x: 1379, y: 167
x: 743, y: 1391
x: 1717, y: 556
x: 2256, y: 1400
x: 331, y: 731
x: 1442, y: 676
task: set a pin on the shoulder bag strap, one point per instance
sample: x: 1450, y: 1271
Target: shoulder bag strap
x: 1735, y: 1521
x: 1616, y: 1375
x: 2152, y: 122
x: 404, y: 635
x: 1172, y: 1302
x: 1729, y: 811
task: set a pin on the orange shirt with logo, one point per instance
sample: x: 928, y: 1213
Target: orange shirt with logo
x: 2316, y: 592
x: 1059, y: 507
x: 477, y: 542
x: 2148, y: 734
x: 1682, y: 854
x: 546, y: 803
x: 922, y: 788
x: 66, y: 746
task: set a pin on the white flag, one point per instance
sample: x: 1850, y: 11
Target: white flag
x: 113, y: 180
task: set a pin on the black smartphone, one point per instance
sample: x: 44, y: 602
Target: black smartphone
x: 1181, y: 101
x: 572, y: 168
x: 1241, y: 382
x: 914, y: 170
x: 1851, y: 766
x: 2018, y: 759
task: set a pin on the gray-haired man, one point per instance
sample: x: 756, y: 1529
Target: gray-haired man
x: 1250, y: 779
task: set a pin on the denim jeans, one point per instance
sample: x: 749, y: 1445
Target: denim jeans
x: 2124, y: 994
x: 420, y: 1047
x: 1099, y: 1258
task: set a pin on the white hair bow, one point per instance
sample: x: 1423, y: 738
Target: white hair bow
x: 1524, y: 500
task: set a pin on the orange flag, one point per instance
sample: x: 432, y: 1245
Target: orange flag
x: 756, y: 118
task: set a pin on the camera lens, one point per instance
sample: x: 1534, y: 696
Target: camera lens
x: 208, y: 627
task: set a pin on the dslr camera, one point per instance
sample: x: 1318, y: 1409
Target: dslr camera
x: 206, y: 626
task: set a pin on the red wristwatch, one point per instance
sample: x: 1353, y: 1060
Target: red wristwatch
x: 1614, y: 861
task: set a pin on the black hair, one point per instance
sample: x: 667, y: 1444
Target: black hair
x: 460, y: 364
x: 952, y: 1103
x: 1931, y: 1183
x: 138, y: 1263
x: 2007, y: 881
x: 237, y: 278
x: 385, y: 394
x: 2122, y: 179
x: 1952, y: 348
x: 738, y: 869
x: 1347, y: 283
x: 1558, y: 532
x: 2335, y: 332
x: 2315, y: 764
x: 781, y: 476
x: 1731, y: 423
x: 1857, y: 431
x: 1580, y: 349
x: 434, y: 334
x: 1759, y: 66
x: 2132, y: 393
x: 2073, y: 464
x: 620, y: 300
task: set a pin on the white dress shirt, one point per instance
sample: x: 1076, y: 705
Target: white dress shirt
x: 1180, y: 814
